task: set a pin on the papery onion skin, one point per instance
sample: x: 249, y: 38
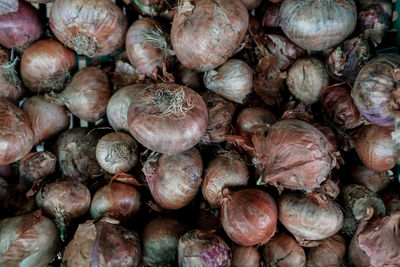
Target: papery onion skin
x: 20, y: 28
x: 7, y: 6
x: 48, y: 119
x: 245, y: 256
x: 283, y: 251
x: 174, y: 180
x: 118, y: 201
x: 198, y: 248
x: 249, y: 119
x: 47, y: 65
x: 375, y: 148
x: 330, y: 252
x: 93, y: 28
x: 306, y: 219
x: 168, y: 118
x: 36, y: 165
x: 249, y: 216
x: 16, y: 133
x: 374, y: 181
x: 318, y: 25
x: 10, y: 84
x: 215, y: 32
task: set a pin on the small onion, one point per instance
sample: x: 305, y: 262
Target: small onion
x: 174, y: 180
x: 198, y: 248
x: 249, y: 216
x: 374, y: 181
x: 283, y: 251
x: 188, y: 77
x: 251, y: 4
x: 330, y: 252
x: 206, y: 33
x: 48, y: 119
x: 93, y: 28
x: 232, y: 80
x: 245, y: 256
x: 307, y: 79
x: 375, y: 148
x: 10, y: 83
x: 16, y: 133
x: 47, y: 65
x: 7, y: 6
x: 168, y: 118
x: 35, y: 166
x: 249, y: 119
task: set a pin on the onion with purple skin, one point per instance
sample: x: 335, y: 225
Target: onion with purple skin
x: 35, y: 166
x: 198, y: 248
x: 374, y: 181
x: 245, y: 256
x: 269, y: 15
x: 252, y: 118
x: 7, y: 6
x: 330, y: 252
x: 10, y: 84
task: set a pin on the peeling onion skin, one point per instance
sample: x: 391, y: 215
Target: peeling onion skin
x: 203, y: 25
x: 330, y: 252
x: 375, y: 148
x: 283, y: 251
x: 176, y: 111
x: 374, y: 181
x: 30, y: 240
x: 16, y: 133
x: 93, y: 28
x: 36, y: 165
x: 7, y: 6
x: 47, y: 65
x: 245, y: 256
x: 249, y: 216
x: 249, y: 119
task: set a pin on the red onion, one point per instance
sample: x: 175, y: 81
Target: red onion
x: 20, y: 28
x: 206, y: 33
x: 35, y: 166
x: 251, y: 4
x: 317, y: 25
x: 29, y: 240
x: 188, y: 77
x: 16, y: 133
x: 47, y: 65
x: 10, y: 83
x: 7, y: 6
x: 269, y: 14
x: 283, y: 251
x: 249, y: 216
x: 174, y: 180
x: 245, y: 256
x: 93, y: 28
x: 375, y: 148
x: 329, y: 134
x: 198, y: 248
x: 309, y: 218
x: 167, y: 118
x: 124, y: 74
x: 374, y: 181
x: 48, y: 119
x: 253, y: 118
x: 330, y: 252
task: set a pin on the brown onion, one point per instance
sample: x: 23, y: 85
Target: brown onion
x: 28, y: 240
x: 35, y: 166
x: 374, y: 181
x: 198, y: 248
x: 167, y: 118
x: 375, y: 148
x: 330, y: 252
x: 250, y: 119
x: 16, y: 133
x: 48, y: 119
x: 226, y: 170
x: 206, y: 33
x: 92, y: 28
x: 283, y: 251
x: 10, y: 83
x: 188, y: 77
x: 249, y: 216
x: 7, y: 6
x: 174, y: 180
x: 309, y: 218
x: 245, y: 256
x: 47, y: 65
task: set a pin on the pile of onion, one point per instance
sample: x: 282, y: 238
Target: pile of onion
x: 374, y: 181
x: 329, y: 252
x: 245, y: 256
x: 10, y: 83
x: 35, y: 166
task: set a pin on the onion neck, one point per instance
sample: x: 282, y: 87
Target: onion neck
x: 9, y: 73
x: 84, y: 45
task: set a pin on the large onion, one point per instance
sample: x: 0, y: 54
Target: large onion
x: 35, y: 166
x: 252, y: 118
x: 206, y: 33
x: 10, y: 83
x: 318, y: 25
x: 374, y: 181
x: 249, y: 216
x: 245, y: 256
x: 91, y: 28
x: 167, y: 118
x: 329, y: 252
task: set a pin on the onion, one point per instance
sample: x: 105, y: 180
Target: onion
x: 251, y: 4
x: 283, y: 251
x: 374, y: 181
x: 232, y: 80
x: 245, y: 256
x: 377, y: 243
x: 317, y: 25
x: 47, y: 65
x: 103, y: 244
x: 160, y: 241
x: 329, y: 134
x: 16, y: 133
x: 329, y: 252
x: 207, y: 219
x: 116, y: 200
x: 174, y: 180
x: 76, y: 153
x: 375, y: 90
x: 253, y: 118
x: 226, y: 170
x: 4, y: 195
x: 93, y: 28
x: 309, y: 218
x: 249, y: 216
x: 307, y: 79
x: 21, y: 27
x: 294, y: 155
x: 206, y: 33
x: 269, y: 14
x: 7, y: 6
x: 167, y: 118
x: 392, y: 202
x: 29, y: 240
x: 375, y: 148
x: 35, y: 166
x: 198, y: 248
x: 48, y: 119
x: 220, y: 114
x: 188, y: 77
x: 124, y: 74
x: 10, y: 83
